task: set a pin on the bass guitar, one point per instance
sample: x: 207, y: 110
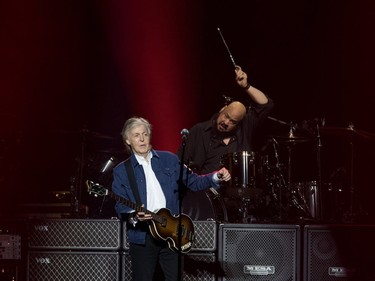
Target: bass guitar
x: 163, y: 225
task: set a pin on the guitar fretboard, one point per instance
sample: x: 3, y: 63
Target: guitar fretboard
x: 126, y: 202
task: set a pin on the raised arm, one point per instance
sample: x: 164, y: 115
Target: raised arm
x: 256, y: 95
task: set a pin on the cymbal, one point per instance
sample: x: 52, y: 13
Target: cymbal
x: 292, y: 138
x: 347, y: 132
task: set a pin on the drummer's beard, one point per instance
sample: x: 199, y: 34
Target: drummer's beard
x: 223, y: 135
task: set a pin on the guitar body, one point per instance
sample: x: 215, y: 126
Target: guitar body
x: 167, y: 227
x: 163, y: 225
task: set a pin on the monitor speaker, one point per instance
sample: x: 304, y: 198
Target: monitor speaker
x: 259, y: 252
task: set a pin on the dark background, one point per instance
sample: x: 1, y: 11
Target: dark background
x: 73, y: 71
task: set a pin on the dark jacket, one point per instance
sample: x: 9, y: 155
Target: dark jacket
x: 166, y: 167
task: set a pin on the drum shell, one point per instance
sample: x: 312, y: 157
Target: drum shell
x: 307, y: 196
x: 246, y: 173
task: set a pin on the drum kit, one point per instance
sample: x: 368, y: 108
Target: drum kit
x: 259, y: 185
x: 265, y: 187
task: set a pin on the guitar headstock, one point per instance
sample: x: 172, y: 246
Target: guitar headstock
x: 96, y: 189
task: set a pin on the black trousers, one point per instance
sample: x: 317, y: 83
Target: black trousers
x: 145, y: 259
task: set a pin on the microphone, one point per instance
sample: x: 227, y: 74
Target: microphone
x: 184, y: 133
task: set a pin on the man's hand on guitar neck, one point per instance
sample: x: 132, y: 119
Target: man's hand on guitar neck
x: 142, y: 216
x: 139, y: 216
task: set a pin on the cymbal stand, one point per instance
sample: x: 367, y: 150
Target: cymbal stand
x: 351, y: 178
x: 291, y: 136
x: 318, y: 208
x: 351, y: 189
x: 280, y: 178
x: 354, y: 211
x: 292, y: 192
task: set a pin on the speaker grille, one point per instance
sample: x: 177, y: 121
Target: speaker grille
x: 71, y: 234
x: 205, y: 236
x: 339, y: 252
x: 197, y: 267
x: 259, y: 252
x: 126, y: 267
x: 74, y: 266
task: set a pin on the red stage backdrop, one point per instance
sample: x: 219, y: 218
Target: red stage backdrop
x: 154, y: 52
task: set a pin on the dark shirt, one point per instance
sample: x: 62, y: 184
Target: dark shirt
x: 205, y: 149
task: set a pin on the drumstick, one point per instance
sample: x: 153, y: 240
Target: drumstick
x: 226, y: 46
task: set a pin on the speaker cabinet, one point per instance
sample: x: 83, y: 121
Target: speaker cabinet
x: 126, y: 267
x: 259, y: 252
x: 197, y: 267
x: 205, y: 236
x: 72, y: 266
x: 339, y: 252
x: 74, y: 234
x: 200, y: 267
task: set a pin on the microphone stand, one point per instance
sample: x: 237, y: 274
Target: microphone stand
x: 182, y: 188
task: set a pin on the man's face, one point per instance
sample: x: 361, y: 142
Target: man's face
x: 139, y: 140
x: 226, y: 122
x: 230, y: 116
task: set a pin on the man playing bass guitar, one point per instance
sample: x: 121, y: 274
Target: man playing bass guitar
x: 150, y: 179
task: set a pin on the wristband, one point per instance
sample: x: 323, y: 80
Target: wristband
x: 247, y: 86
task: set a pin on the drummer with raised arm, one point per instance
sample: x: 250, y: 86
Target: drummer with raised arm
x: 230, y: 130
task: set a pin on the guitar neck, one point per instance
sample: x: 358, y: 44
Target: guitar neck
x: 126, y: 202
x: 99, y: 190
x: 134, y: 206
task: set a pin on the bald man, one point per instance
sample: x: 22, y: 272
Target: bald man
x: 230, y: 130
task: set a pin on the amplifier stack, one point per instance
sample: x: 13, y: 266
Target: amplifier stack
x: 97, y: 250
x: 74, y: 249
x: 68, y: 250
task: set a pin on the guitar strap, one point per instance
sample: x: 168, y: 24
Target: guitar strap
x: 133, y: 183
